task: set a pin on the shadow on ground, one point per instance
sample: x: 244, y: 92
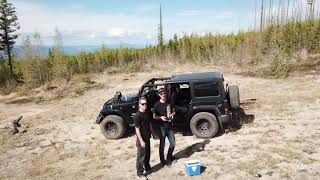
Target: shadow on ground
x: 130, y: 132
x: 203, y: 168
x: 185, y: 153
x: 188, y: 151
x: 240, y: 117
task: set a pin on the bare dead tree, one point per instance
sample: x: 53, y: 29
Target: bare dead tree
x: 270, y: 10
x: 311, y: 4
x: 255, y: 14
x: 262, y: 15
x: 287, y: 14
x: 283, y: 11
x: 293, y: 10
x: 278, y: 15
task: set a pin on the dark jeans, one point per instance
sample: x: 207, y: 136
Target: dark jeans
x: 166, y: 131
x: 143, y: 157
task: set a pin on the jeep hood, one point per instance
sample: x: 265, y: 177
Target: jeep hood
x: 123, y: 99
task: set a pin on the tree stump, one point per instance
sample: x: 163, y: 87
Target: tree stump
x: 16, y: 124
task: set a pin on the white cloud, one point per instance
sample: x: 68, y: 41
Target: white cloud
x: 81, y: 25
x: 92, y: 35
x: 118, y: 32
x: 138, y: 27
x: 149, y: 36
x: 189, y: 13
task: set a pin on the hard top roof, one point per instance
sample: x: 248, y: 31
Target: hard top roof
x: 197, y: 76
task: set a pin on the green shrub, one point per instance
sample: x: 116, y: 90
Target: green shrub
x: 273, y: 46
x: 280, y: 66
x: 82, y: 78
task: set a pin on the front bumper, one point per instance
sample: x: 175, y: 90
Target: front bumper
x: 99, y: 118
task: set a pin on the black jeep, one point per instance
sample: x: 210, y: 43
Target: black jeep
x: 203, y: 104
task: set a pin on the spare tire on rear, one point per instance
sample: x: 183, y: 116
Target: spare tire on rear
x: 234, y: 96
x: 204, y: 125
x: 113, y: 127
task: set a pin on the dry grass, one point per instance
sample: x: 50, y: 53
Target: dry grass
x: 269, y: 136
x: 56, y: 91
x: 260, y: 162
x: 282, y: 67
x: 276, y: 141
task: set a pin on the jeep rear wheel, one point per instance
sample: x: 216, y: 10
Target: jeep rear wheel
x: 113, y: 127
x: 234, y: 96
x: 204, y: 125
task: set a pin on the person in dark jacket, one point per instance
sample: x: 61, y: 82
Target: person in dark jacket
x: 165, y: 113
x: 143, y: 128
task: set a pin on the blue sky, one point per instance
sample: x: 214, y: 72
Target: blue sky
x: 97, y: 22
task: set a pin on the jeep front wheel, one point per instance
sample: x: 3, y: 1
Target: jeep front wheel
x: 204, y: 125
x: 113, y: 127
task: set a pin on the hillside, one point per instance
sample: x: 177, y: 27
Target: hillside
x: 279, y: 50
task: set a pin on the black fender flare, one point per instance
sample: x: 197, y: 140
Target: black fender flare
x: 205, y: 108
x: 104, y: 114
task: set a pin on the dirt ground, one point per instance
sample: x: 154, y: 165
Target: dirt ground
x: 62, y: 141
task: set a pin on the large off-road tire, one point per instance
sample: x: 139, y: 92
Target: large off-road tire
x: 113, y: 127
x: 234, y: 96
x: 204, y: 125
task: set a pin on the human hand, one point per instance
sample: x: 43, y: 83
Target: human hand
x: 143, y: 144
x: 170, y: 117
x: 163, y: 118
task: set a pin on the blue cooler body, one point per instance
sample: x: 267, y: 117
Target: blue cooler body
x: 193, y: 167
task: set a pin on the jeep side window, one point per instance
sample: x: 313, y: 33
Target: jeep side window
x: 183, y: 94
x: 205, y: 89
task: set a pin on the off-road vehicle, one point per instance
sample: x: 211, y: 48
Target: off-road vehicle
x: 203, y: 104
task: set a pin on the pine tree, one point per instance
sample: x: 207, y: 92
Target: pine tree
x: 27, y: 69
x: 59, y: 62
x: 8, y: 27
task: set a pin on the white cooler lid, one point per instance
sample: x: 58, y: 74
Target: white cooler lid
x: 192, y: 162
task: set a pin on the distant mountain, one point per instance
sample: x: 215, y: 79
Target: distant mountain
x: 72, y: 50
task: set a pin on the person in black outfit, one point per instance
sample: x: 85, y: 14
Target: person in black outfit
x: 164, y: 112
x: 143, y: 128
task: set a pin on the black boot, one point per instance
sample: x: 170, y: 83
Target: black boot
x: 169, y: 156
